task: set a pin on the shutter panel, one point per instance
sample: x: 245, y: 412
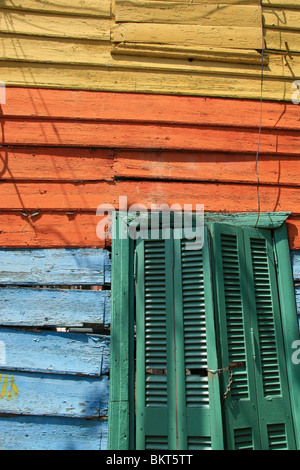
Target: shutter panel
x: 240, y: 408
x: 257, y: 411
x: 155, y: 383
x: 269, y: 357
x: 196, y: 349
x: 176, y: 340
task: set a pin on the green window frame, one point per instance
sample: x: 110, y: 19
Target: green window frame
x: 122, y: 370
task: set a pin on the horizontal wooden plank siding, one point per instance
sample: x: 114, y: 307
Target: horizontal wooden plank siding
x: 77, y: 105
x: 53, y: 25
x: 54, y: 267
x: 149, y: 148
x: 87, y: 197
x: 144, y: 46
x: 49, y: 230
x: 77, y: 7
x: 53, y: 375
x: 55, y: 229
x: 53, y: 433
x: 187, y: 13
x: 125, y: 135
x: 53, y: 307
x: 55, y: 164
x: 55, y: 353
x: 53, y: 395
x: 206, y: 166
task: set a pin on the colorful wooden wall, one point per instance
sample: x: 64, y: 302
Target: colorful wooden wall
x: 208, y: 48
x: 54, y: 382
x: 158, y: 101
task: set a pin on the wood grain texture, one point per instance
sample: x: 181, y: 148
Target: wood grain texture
x: 191, y: 166
x: 53, y: 395
x: 55, y: 164
x: 165, y: 12
x: 54, y: 308
x: 149, y: 108
x: 153, y: 59
x: 54, y: 267
x: 217, y: 36
x: 50, y: 230
x: 137, y: 81
x: 87, y: 197
x: 136, y: 135
x: 53, y: 433
x: 54, y: 230
x: 295, y: 258
x: 55, y: 353
x: 77, y: 7
x: 59, y: 26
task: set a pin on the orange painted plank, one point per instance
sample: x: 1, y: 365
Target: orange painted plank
x: 58, y: 230
x: 204, y: 166
x: 49, y: 230
x: 56, y: 164
x: 134, y: 135
x: 93, y: 105
x: 87, y: 197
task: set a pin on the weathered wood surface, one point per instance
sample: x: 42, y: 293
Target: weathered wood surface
x: 56, y: 353
x: 53, y: 395
x: 295, y: 257
x: 50, y: 230
x: 76, y: 7
x: 58, y: 26
x: 109, y: 79
x: 65, y: 46
x: 52, y: 307
x: 187, y: 13
x: 87, y: 197
x: 56, y: 229
x: 55, y: 164
x: 51, y: 433
x: 54, y: 267
x: 139, y: 135
x: 75, y: 165
x: 204, y: 166
x: 78, y: 105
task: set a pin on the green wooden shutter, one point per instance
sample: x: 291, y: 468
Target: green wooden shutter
x: 155, y: 384
x: 257, y: 412
x: 178, y: 407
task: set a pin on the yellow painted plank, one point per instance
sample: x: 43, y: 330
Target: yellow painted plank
x: 281, y: 3
x: 74, y: 7
x: 241, y: 56
x: 282, y: 19
x: 282, y: 40
x: 140, y: 11
x: 47, y: 25
x: 215, y: 2
x: 189, y: 35
x: 15, y: 48
x: 97, y: 78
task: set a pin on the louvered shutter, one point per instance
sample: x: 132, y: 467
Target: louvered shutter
x: 175, y: 346
x: 155, y: 382
x: 257, y: 410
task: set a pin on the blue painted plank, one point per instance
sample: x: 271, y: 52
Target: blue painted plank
x: 53, y: 307
x: 295, y: 258
x: 54, y: 267
x: 53, y: 352
x: 53, y: 395
x: 45, y: 433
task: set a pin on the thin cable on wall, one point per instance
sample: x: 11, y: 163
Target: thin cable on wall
x: 260, y: 124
